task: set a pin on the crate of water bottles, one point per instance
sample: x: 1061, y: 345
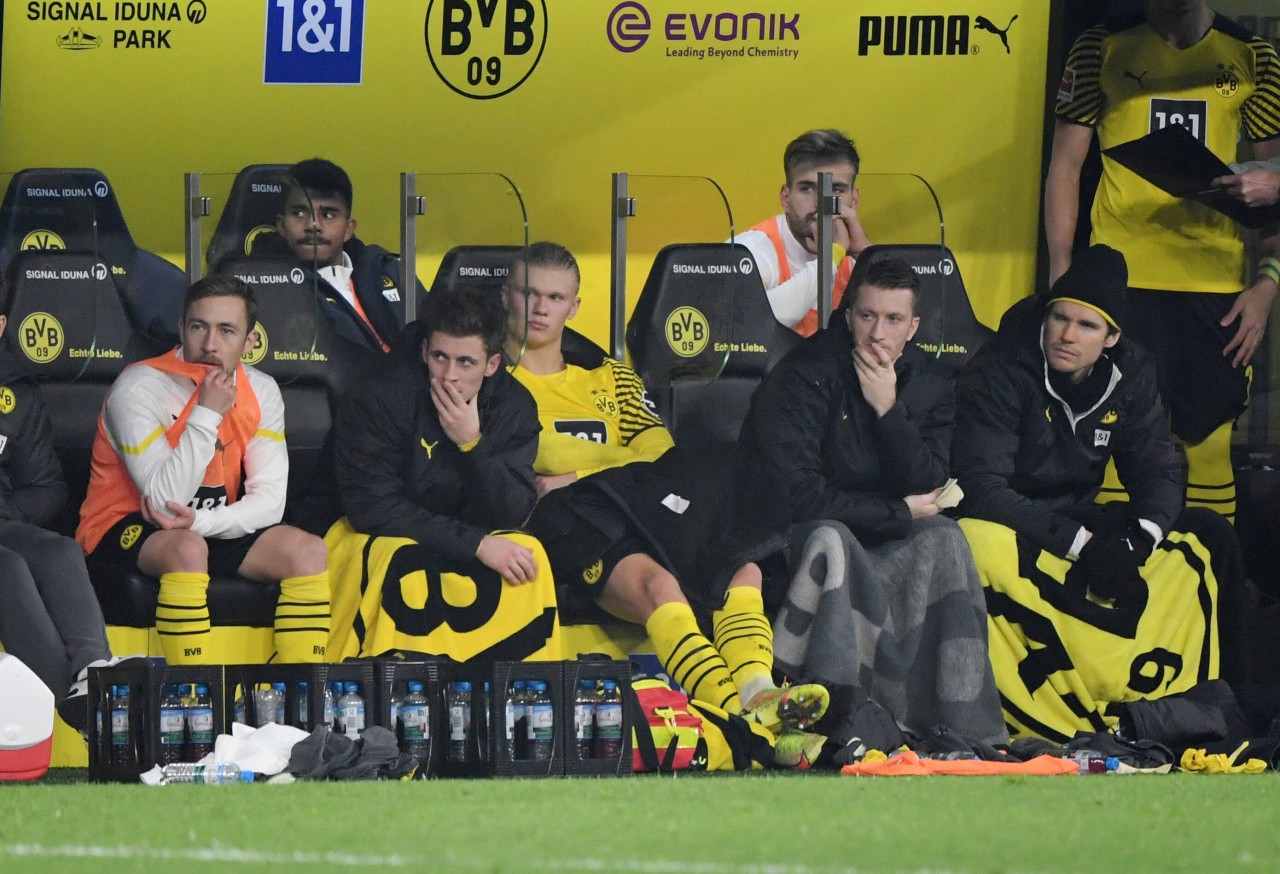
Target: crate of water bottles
x: 598, y: 739
x: 144, y: 714
x: 414, y: 708
x: 342, y: 696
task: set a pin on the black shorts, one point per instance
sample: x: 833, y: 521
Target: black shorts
x: 123, y: 542
x: 1199, y: 387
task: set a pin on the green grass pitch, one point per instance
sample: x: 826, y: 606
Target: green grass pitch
x: 703, y: 824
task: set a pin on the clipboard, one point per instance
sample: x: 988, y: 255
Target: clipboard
x: 1177, y: 163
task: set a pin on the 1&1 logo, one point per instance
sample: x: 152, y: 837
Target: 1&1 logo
x: 485, y: 48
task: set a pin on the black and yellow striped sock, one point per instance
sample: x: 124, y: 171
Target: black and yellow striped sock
x: 302, y: 618
x: 691, y: 659
x: 1210, y: 480
x: 182, y: 618
x: 745, y: 640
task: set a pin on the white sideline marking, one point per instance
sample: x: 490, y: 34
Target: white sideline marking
x: 255, y: 857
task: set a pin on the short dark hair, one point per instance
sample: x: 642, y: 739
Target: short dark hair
x: 222, y: 285
x: 467, y: 311
x: 547, y: 254
x: 321, y: 177
x: 887, y: 272
x: 819, y: 147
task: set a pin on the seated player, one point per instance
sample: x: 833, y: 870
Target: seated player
x: 49, y: 615
x: 785, y: 246
x: 1089, y: 604
x: 858, y: 420
x: 188, y: 479
x: 617, y: 530
x: 434, y: 465
x: 363, y: 287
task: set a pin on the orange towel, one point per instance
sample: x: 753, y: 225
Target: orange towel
x: 907, y: 763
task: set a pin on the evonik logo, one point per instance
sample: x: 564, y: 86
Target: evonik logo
x: 924, y: 35
x: 629, y: 26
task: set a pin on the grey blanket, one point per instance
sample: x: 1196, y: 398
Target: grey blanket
x: 904, y: 621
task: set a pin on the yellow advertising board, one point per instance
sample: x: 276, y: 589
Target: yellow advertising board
x: 557, y: 95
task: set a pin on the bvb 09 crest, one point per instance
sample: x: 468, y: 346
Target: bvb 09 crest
x: 485, y: 48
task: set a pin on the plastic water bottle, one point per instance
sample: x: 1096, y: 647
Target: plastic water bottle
x: 520, y: 720
x: 173, y: 725
x: 482, y: 735
x: 121, y: 748
x: 393, y: 710
x: 330, y: 705
x: 415, y: 716
x: 222, y: 774
x: 542, y: 722
x: 460, y: 722
x: 609, y: 722
x: 509, y: 726
x: 584, y: 718
x: 1093, y: 762
x: 269, y: 704
x: 303, y: 705
x: 351, y: 711
x: 199, y: 725
x: 240, y: 715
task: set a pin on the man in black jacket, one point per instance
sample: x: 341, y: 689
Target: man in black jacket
x: 1089, y: 604
x: 362, y: 289
x: 857, y: 420
x: 435, y: 453
x: 49, y: 614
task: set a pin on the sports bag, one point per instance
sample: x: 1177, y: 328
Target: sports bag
x: 674, y: 739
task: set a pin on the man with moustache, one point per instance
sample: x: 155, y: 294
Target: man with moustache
x: 785, y: 246
x: 188, y: 479
x: 362, y: 284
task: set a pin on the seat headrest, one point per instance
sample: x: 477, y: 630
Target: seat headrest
x: 485, y: 266
x: 66, y: 318
x: 296, y: 340
x: 947, y: 322
x: 70, y: 209
x: 250, y: 210
x: 703, y: 312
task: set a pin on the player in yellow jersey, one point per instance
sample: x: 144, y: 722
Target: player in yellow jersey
x: 1176, y: 63
x: 621, y: 536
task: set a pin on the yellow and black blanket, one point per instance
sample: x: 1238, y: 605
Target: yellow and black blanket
x: 391, y: 594
x: 1061, y: 658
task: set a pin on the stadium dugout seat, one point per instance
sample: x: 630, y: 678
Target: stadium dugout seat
x: 251, y: 209
x: 702, y: 336
x: 75, y: 210
x: 948, y: 327
x: 487, y: 267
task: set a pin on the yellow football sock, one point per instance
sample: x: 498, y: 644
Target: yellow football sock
x: 690, y: 658
x: 745, y: 640
x: 302, y: 618
x: 1210, y: 480
x: 182, y: 618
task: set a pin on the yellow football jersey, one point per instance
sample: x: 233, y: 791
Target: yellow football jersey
x: 1130, y: 82
x: 593, y: 419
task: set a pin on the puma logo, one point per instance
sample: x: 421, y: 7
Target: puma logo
x: 1137, y: 77
x: 430, y: 447
x: 984, y: 23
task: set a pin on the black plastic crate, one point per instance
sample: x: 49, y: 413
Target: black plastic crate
x: 594, y: 764
x: 146, y: 682
x: 393, y: 678
x: 242, y: 682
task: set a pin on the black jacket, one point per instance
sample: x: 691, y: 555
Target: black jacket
x: 1025, y: 459
x: 376, y: 276
x: 32, y: 488
x: 399, y: 475
x: 840, y: 460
